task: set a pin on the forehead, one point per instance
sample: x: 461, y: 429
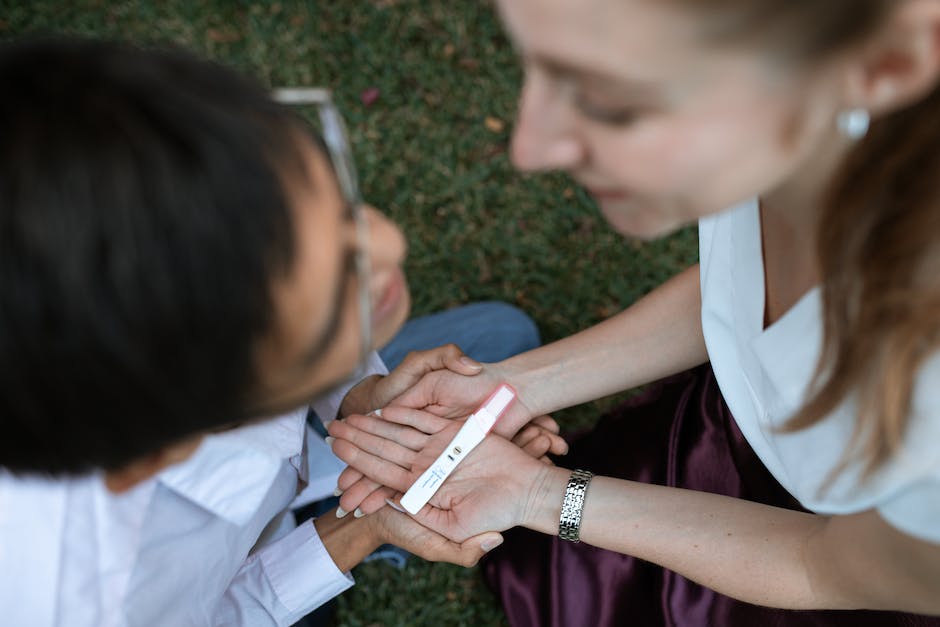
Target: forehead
x: 641, y: 39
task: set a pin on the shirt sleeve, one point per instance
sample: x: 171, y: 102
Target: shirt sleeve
x: 916, y: 510
x: 283, y: 582
x: 327, y: 406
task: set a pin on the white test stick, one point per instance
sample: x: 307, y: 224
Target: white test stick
x: 471, y: 433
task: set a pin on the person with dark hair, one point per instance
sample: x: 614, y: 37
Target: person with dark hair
x: 184, y: 268
x: 795, y: 469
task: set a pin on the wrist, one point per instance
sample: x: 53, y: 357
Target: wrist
x: 517, y: 372
x: 543, y: 504
x: 348, y: 540
x: 361, y: 397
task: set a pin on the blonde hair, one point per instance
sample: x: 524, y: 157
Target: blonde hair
x: 879, y: 232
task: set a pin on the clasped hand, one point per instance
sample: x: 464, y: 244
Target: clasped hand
x: 387, y: 450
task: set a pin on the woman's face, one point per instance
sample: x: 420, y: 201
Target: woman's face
x: 658, y: 125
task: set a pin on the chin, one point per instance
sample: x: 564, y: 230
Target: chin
x: 385, y: 329
x: 640, y: 225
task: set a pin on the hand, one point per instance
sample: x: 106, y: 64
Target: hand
x: 489, y: 490
x: 377, y: 391
x: 362, y: 494
x: 434, y: 378
x: 393, y: 527
x: 450, y: 395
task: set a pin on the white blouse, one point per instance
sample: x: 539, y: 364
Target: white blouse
x: 764, y: 375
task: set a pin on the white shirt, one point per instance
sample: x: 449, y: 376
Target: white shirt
x: 764, y: 376
x: 209, y: 541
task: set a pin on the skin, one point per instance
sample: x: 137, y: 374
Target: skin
x: 706, y: 128
x: 288, y: 379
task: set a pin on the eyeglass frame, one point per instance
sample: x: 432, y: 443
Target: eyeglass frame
x: 336, y: 139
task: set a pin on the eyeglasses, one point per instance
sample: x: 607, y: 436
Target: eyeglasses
x: 333, y: 132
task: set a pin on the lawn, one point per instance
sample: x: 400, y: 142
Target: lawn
x: 430, y: 139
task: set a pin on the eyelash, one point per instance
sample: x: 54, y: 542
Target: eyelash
x: 612, y: 117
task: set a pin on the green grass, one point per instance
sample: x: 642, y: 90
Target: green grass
x: 476, y: 229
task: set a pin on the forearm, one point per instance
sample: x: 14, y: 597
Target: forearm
x: 753, y: 552
x: 658, y: 336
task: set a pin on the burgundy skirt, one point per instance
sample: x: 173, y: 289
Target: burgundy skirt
x: 678, y: 433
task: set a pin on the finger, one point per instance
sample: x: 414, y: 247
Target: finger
x: 466, y: 553
x: 386, y: 449
x: 421, y: 420
x: 373, y: 467
x: 347, y: 479
x: 480, y: 545
x: 448, y: 356
x: 538, y: 447
x: 408, y: 437
x: 545, y: 459
x: 422, y: 393
x: 376, y: 500
x: 547, y: 422
x: 352, y: 498
x: 559, y: 446
x: 525, y: 436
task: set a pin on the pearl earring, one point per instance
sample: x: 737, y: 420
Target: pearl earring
x: 854, y: 123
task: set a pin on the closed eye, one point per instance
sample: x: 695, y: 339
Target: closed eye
x: 612, y: 116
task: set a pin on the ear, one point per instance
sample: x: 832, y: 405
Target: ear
x: 131, y: 474
x: 902, y: 64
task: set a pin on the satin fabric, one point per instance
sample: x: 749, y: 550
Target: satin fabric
x: 678, y: 433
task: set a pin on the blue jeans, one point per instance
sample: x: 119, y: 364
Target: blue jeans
x: 487, y: 331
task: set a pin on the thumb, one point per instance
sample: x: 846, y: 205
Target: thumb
x: 462, y: 364
x: 475, y: 547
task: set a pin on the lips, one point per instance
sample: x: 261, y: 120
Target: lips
x: 602, y: 195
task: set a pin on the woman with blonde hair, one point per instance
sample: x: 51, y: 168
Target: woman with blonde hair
x: 794, y: 463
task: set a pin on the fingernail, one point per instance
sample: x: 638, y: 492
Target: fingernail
x: 338, y: 492
x: 489, y: 545
x: 340, y: 512
x: 470, y: 363
x: 358, y: 513
x: 329, y: 440
x: 395, y: 506
x: 376, y: 412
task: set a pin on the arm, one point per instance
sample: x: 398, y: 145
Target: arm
x: 757, y: 553
x: 291, y: 577
x: 659, y: 335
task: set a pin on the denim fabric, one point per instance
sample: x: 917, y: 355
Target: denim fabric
x: 487, y: 331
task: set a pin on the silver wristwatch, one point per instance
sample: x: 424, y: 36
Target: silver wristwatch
x: 569, y: 525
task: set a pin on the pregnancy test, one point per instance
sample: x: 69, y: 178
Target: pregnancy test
x: 471, y: 433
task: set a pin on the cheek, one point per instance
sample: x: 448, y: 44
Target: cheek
x: 708, y: 161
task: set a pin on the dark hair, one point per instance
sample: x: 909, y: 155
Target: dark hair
x: 142, y: 221
x: 878, y: 235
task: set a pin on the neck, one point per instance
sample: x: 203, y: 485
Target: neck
x: 789, y: 223
x: 796, y: 204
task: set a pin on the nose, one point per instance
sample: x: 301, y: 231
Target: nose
x: 387, y: 246
x: 545, y: 136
